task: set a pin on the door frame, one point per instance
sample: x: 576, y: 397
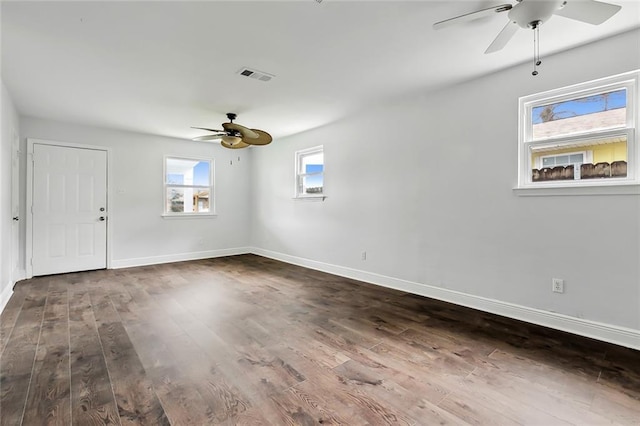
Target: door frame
x: 29, y: 205
x: 17, y: 273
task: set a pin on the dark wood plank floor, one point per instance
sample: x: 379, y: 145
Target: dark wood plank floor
x: 248, y: 340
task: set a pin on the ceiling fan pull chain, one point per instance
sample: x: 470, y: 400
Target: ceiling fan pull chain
x: 538, y: 61
x: 536, y: 49
x: 535, y: 72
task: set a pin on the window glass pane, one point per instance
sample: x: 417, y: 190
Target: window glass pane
x: 201, y: 200
x: 175, y: 179
x: 576, y: 158
x: 175, y: 200
x: 312, y: 184
x: 314, y: 168
x: 596, y: 112
x: 188, y: 200
x: 188, y: 172
x: 598, y: 159
x: 548, y: 161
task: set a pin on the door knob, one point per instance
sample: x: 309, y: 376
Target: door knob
x: 16, y: 218
x: 101, y: 218
x: 101, y: 209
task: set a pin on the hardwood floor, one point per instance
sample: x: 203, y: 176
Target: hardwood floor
x: 248, y: 340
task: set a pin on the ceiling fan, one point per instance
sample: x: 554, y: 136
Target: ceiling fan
x: 235, y: 136
x: 532, y: 13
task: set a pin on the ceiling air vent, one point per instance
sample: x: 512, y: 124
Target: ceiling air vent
x: 256, y: 75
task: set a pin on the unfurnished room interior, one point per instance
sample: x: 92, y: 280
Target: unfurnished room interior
x: 320, y: 212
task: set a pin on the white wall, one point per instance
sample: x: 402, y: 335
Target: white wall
x: 8, y: 127
x: 139, y: 233
x: 424, y: 183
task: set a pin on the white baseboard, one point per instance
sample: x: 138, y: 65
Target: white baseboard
x: 19, y: 275
x: 180, y: 257
x: 6, y: 295
x: 606, y: 332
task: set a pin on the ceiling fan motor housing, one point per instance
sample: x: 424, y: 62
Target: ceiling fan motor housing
x: 531, y: 13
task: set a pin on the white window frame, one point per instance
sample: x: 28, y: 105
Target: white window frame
x: 628, y: 81
x: 211, y: 187
x: 299, y: 156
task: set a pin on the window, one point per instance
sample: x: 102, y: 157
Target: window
x: 571, y: 158
x: 188, y: 186
x: 583, y: 135
x: 310, y: 173
x: 562, y: 159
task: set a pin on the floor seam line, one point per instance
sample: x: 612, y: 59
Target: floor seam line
x: 35, y: 355
x: 104, y: 357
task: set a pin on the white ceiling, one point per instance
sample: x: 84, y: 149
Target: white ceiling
x: 161, y: 67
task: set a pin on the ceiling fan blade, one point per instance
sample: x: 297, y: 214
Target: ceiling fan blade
x: 471, y: 16
x: 503, y: 37
x: 238, y: 145
x: 590, y: 11
x: 210, y: 130
x: 263, y: 138
x: 246, y: 132
x: 209, y: 137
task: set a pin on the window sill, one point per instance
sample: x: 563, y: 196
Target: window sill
x: 311, y: 198
x: 189, y: 216
x: 619, y: 188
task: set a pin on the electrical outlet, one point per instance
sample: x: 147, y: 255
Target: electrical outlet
x: 557, y: 285
x: 364, y: 255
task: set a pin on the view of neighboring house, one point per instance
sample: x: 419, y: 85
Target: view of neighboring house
x: 585, y: 154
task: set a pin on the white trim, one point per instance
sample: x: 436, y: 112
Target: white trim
x: 178, y: 257
x: 549, y: 189
x: 6, y: 295
x: 189, y: 216
x: 310, y: 198
x: 15, y: 207
x: 596, y: 330
x: 29, y: 214
x: 8, y: 290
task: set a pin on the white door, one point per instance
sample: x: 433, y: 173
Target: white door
x: 69, y: 209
